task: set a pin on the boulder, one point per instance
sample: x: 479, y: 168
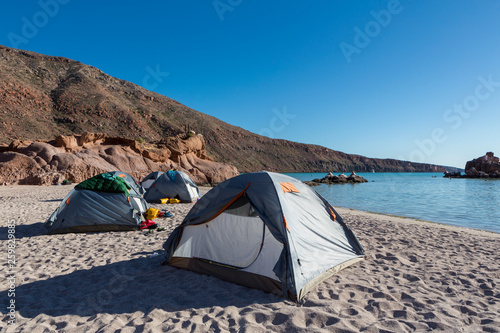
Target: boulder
x: 93, y: 158
x: 213, y: 172
x: 43, y: 150
x: 157, y: 155
x: 69, y: 142
x: 43, y: 178
x: 195, y: 143
x: 340, y: 179
x: 199, y: 177
x: 40, y: 161
x: 483, y: 174
x: 16, y: 145
x: 354, y: 178
x: 73, y: 167
x: 457, y: 174
x: 487, y: 166
x: 91, y: 138
x: 15, y: 166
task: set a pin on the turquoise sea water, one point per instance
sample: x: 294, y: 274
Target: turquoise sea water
x: 471, y: 203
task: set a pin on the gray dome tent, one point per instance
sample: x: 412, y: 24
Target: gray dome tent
x: 172, y: 184
x: 100, y: 203
x: 267, y: 231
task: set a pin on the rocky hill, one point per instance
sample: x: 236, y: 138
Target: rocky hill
x: 43, y: 96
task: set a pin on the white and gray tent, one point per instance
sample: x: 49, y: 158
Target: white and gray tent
x: 173, y: 184
x: 101, y: 203
x: 266, y: 231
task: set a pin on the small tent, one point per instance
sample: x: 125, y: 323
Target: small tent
x: 100, y: 203
x: 150, y: 179
x: 267, y: 231
x: 173, y: 184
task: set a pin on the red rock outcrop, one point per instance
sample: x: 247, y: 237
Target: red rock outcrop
x: 487, y: 166
x: 77, y: 158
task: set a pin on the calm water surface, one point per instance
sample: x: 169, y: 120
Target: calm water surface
x: 471, y: 203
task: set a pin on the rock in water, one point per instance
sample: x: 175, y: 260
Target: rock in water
x: 340, y: 179
x: 487, y: 166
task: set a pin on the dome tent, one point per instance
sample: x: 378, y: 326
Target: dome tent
x: 173, y: 184
x: 267, y: 231
x: 100, y: 203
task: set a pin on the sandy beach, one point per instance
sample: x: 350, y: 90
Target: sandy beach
x: 419, y: 276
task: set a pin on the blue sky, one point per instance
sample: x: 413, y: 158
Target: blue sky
x: 413, y: 80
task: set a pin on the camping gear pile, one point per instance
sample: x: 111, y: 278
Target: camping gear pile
x: 169, y: 201
x: 150, y: 215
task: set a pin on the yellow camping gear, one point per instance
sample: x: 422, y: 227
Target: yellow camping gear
x: 152, y: 213
x: 164, y: 201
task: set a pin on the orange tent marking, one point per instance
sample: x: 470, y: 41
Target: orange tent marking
x: 289, y: 187
x: 332, y: 214
x: 286, y: 224
x: 67, y: 201
x: 121, y: 175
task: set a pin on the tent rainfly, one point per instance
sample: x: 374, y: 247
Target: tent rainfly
x: 150, y: 179
x: 172, y: 184
x: 100, y: 203
x: 266, y: 231
x: 136, y: 191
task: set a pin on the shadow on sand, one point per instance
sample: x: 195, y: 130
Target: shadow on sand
x: 141, y: 284
x: 25, y: 230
